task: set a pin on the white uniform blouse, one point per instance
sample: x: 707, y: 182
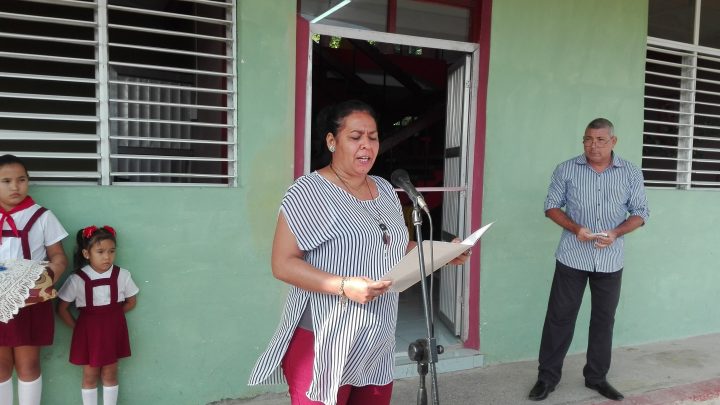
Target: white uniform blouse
x: 46, y: 231
x: 74, y: 287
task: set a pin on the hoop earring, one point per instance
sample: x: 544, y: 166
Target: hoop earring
x: 331, y: 148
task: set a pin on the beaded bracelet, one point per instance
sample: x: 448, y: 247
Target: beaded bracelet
x: 341, y: 291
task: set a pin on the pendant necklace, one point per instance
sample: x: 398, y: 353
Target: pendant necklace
x: 381, y: 225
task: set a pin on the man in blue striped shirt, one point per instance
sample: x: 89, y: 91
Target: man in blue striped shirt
x: 603, y: 199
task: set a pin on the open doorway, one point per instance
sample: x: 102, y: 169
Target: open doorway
x: 422, y: 90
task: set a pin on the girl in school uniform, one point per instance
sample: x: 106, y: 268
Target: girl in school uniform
x: 31, y: 232
x: 102, y: 293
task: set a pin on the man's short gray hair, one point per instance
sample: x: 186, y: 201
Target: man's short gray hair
x: 600, y: 123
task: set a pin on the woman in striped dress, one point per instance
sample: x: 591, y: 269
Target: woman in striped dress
x: 339, y: 231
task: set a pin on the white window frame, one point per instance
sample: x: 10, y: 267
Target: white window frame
x: 103, y: 137
x: 685, y: 113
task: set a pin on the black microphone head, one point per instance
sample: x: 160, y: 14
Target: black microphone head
x: 400, y: 178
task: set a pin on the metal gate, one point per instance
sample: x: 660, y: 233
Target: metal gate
x: 455, y: 202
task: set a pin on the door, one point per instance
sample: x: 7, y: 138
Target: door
x: 457, y: 182
x: 455, y: 202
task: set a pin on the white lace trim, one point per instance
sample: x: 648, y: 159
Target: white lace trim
x: 16, y: 281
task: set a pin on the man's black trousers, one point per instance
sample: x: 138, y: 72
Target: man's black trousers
x: 566, y: 295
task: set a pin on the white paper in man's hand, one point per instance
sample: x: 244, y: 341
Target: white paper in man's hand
x: 407, y: 271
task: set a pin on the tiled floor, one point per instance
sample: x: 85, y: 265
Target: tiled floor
x: 411, y: 321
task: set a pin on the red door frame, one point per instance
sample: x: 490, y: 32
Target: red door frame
x: 302, y: 50
x: 480, y: 18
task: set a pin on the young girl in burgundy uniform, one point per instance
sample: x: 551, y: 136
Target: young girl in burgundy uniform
x: 102, y: 293
x: 31, y: 232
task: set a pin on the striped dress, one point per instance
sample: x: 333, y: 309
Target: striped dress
x: 354, y: 343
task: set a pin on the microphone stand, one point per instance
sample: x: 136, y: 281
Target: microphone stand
x: 424, y: 351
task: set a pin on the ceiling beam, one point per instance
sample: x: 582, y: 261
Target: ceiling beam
x: 387, y: 65
x: 428, y: 119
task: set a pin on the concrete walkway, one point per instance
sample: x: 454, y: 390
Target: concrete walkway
x: 679, y: 372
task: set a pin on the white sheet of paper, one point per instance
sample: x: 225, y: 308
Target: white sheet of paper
x: 407, y: 271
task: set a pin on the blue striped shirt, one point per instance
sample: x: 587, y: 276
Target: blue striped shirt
x: 354, y: 343
x: 599, y: 202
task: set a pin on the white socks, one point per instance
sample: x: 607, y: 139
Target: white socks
x: 30, y: 392
x: 6, y: 392
x: 89, y: 396
x: 110, y: 395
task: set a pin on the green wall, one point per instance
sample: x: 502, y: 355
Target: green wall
x: 554, y: 66
x: 208, y: 302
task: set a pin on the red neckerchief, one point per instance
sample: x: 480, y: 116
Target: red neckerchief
x: 6, y: 215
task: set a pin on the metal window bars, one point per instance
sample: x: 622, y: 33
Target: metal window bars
x: 681, y: 137
x: 120, y: 91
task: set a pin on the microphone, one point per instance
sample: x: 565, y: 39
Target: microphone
x: 401, y: 179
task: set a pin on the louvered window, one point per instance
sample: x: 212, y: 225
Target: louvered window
x: 681, y: 141
x: 120, y: 91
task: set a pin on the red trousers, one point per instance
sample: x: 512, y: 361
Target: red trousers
x: 298, y: 366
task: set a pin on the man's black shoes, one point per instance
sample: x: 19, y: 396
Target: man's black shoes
x: 605, y: 389
x: 540, y: 391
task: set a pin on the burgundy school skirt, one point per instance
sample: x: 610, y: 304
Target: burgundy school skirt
x: 100, y: 336
x: 32, y: 326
